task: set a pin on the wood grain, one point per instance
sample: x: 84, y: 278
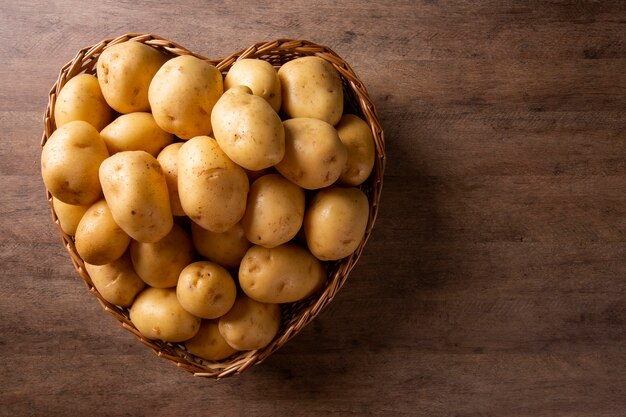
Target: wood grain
x: 494, y: 283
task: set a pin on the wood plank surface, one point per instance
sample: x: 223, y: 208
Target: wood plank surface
x: 495, y: 281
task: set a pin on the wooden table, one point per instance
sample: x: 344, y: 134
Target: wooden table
x: 495, y: 281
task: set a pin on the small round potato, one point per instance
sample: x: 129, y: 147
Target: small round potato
x: 226, y: 248
x: 314, y: 154
x: 157, y: 314
x: 167, y: 158
x: 356, y: 135
x: 69, y: 216
x: 274, y: 211
x: 212, y: 188
x: 135, y: 132
x: 99, y: 240
x: 250, y: 324
x: 81, y: 99
x: 283, y: 274
x: 258, y: 75
x: 69, y: 163
x: 335, y: 222
x: 182, y: 95
x: 206, y: 290
x: 117, y: 282
x: 208, y: 343
x: 311, y: 87
x: 125, y: 71
x: 159, y: 264
x: 248, y: 130
x: 134, y: 186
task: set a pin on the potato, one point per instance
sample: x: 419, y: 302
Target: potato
x: 135, y: 189
x: 274, y: 211
x: 314, y: 154
x: 212, y: 188
x: 167, y: 158
x: 226, y: 248
x: 248, y: 130
x: 250, y: 324
x: 117, y: 282
x: 206, y: 290
x: 135, y: 132
x: 81, y: 99
x: 254, y: 175
x: 283, y: 274
x: 99, y: 240
x: 69, y: 163
x: 208, y: 343
x: 125, y: 71
x: 335, y: 222
x: 258, y: 75
x: 159, y: 264
x: 311, y: 87
x: 157, y: 314
x: 182, y: 95
x: 69, y: 216
x: 356, y: 135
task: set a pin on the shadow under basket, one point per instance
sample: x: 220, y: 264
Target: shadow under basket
x: 295, y: 315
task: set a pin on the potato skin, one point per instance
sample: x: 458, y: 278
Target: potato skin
x: 125, y: 71
x: 135, y: 131
x: 335, y: 222
x: 99, y: 240
x: 168, y: 159
x: 135, y: 189
x: 81, y: 99
x: 212, y: 188
x: 250, y: 324
x: 117, y: 282
x: 311, y: 87
x: 226, y: 248
x: 274, y: 211
x: 208, y: 343
x: 283, y: 274
x: 182, y: 95
x: 356, y: 136
x: 69, y: 163
x: 157, y: 314
x: 69, y: 215
x: 206, y: 290
x: 258, y: 75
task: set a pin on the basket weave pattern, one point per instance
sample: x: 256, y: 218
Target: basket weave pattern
x: 295, y: 315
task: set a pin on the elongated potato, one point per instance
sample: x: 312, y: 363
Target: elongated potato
x: 356, y: 135
x: 226, y: 248
x: 168, y: 159
x: 135, y: 189
x: 208, y: 343
x: 212, y: 188
x: 206, y: 290
x: 250, y: 324
x: 258, y: 75
x: 135, y: 132
x: 81, y: 99
x: 69, y: 216
x: 117, y: 282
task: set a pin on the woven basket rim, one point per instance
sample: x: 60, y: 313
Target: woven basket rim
x: 273, y: 51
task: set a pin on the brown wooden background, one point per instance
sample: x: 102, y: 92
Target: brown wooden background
x: 495, y: 281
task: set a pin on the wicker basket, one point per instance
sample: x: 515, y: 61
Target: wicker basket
x: 295, y: 315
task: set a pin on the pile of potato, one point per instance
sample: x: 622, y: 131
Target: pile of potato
x: 203, y: 202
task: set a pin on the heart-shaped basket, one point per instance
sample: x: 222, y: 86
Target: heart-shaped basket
x: 295, y: 315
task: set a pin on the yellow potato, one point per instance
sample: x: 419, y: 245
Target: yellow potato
x: 335, y: 222
x: 248, y: 130
x: 81, y: 99
x: 135, y: 189
x: 182, y: 95
x: 69, y: 163
x: 250, y: 324
x: 283, y: 274
x: 69, y: 216
x: 206, y: 290
x: 125, y: 71
x: 258, y: 75
x: 99, y: 240
x: 167, y: 158
x: 157, y: 314
x: 159, y: 264
x: 226, y: 248
x: 208, y: 343
x: 117, y: 281
x: 135, y: 132
x: 356, y: 135
x: 314, y: 154
x: 212, y: 188
x: 254, y: 175
x: 274, y: 211
x: 311, y: 87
